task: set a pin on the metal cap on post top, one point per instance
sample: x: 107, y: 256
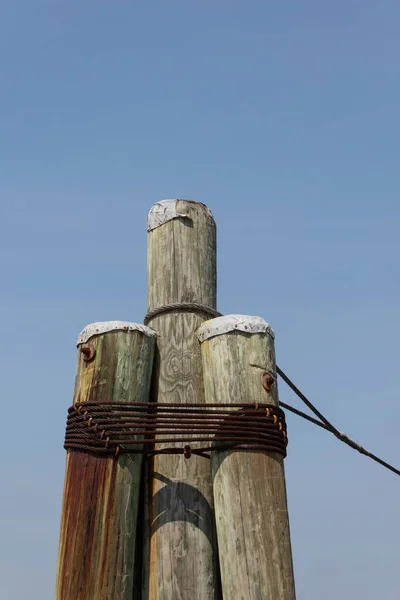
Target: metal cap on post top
x: 165, y: 210
x: 226, y: 323
x: 101, y: 327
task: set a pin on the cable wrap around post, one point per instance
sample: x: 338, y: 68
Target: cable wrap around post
x: 110, y: 429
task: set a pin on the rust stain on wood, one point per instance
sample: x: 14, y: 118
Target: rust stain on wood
x: 88, y: 509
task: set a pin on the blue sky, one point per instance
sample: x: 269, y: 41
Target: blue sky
x: 283, y: 118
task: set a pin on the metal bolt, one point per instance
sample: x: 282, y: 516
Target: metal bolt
x: 88, y: 352
x: 267, y: 380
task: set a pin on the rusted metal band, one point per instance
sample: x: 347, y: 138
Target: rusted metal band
x: 113, y: 428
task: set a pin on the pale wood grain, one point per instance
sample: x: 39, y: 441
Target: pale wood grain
x: 100, y: 505
x: 249, y: 487
x: 180, y: 550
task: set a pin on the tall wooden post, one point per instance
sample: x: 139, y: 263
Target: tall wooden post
x: 249, y: 487
x: 180, y: 536
x: 98, y: 524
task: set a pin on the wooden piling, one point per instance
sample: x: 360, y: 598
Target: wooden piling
x: 180, y: 537
x: 100, y: 504
x: 249, y: 487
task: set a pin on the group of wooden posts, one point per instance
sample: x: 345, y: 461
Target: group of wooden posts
x: 169, y: 527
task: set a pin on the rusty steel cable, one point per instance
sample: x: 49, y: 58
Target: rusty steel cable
x: 184, y: 307
x: 112, y: 428
x: 324, y: 423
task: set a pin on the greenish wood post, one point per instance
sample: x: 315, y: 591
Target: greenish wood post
x: 180, y: 549
x: 100, y: 504
x: 249, y: 487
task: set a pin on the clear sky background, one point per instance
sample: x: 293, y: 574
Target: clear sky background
x: 283, y: 117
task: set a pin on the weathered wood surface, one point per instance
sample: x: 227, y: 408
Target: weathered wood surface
x: 180, y: 551
x: 249, y: 487
x: 100, y: 504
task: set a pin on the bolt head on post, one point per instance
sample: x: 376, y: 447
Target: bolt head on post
x: 268, y: 381
x: 88, y: 352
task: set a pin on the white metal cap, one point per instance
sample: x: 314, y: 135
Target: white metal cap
x: 105, y: 326
x: 166, y: 210
x: 228, y: 323
x: 161, y: 212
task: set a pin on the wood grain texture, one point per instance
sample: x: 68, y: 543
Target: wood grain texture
x: 180, y: 551
x: 249, y: 487
x: 100, y: 504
